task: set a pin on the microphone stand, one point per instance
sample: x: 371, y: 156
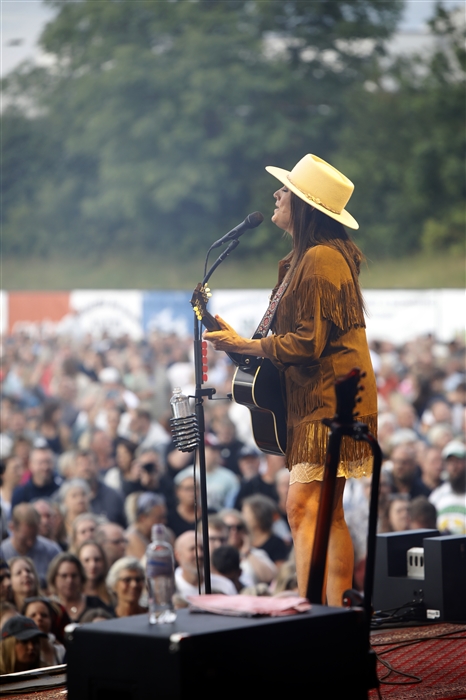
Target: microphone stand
x: 199, y: 394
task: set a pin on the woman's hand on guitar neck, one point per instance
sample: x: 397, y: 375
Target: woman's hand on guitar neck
x: 228, y: 340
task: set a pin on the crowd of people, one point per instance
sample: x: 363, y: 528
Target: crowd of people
x: 89, y: 466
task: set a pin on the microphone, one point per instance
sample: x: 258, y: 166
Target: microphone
x: 251, y: 221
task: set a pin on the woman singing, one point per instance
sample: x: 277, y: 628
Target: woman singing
x: 318, y: 335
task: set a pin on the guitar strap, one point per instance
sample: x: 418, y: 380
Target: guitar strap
x: 264, y: 326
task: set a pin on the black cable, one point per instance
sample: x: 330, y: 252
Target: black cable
x: 451, y: 634
x: 413, y: 612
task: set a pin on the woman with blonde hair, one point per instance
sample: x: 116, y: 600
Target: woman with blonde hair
x: 24, y: 580
x: 20, y: 645
x: 92, y: 557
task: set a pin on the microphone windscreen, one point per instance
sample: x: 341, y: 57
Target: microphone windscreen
x: 255, y: 219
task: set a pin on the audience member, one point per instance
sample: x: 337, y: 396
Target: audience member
x: 113, y: 541
x: 422, y: 514
x: 189, y: 575
x: 5, y: 581
x: 121, y: 477
x: 259, y: 512
x: 43, y: 613
x: 43, y: 482
x: 405, y: 474
x: 258, y: 477
x: 26, y: 541
x: 450, y: 498
x: 225, y: 562
x: 150, y: 509
x: 11, y: 478
x: 66, y: 580
x: 74, y: 499
x: 24, y: 580
x: 92, y: 557
x: 398, y: 512
x: 20, y: 645
x: 83, y: 529
x: 104, y: 500
x: 222, y: 484
x: 126, y: 580
x: 188, y: 508
x: 256, y: 565
x: 431, y: 468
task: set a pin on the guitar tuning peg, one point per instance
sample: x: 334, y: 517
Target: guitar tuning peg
x: 207, y: 289
x: 360, y: 387
x: 209, y: 294
x: 358, y: 400
x: 195, y: 308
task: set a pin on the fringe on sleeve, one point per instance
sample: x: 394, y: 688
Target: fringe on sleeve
x: 339, y: 305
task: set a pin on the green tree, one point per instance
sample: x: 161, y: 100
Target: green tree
x: 404, y: 144
x: 164, y: 114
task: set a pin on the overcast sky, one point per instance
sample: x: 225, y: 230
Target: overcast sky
x: 22, y: 22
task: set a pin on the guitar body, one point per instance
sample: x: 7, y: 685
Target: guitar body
x: 256, y: 385
x: 259, y: 389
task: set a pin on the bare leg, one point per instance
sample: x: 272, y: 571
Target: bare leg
x: 302, y: 507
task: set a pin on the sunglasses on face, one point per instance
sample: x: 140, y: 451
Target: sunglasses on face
x: 239, y: 527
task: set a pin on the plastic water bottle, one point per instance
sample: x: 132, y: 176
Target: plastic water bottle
x: 180, y: 404
x: 160, y: 573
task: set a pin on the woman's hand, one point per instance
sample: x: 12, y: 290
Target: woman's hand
x: 229, y: 340
x: 226, y: 339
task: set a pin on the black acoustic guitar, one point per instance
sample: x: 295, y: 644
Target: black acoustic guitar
x: 256, y: 385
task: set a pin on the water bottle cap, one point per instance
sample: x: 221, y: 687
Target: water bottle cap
x: 159, y: 532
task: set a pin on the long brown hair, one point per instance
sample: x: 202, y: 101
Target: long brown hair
x: 310, y: 228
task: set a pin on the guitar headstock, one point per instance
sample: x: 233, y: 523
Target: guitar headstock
x: 347, y: 389
x: 199, y: 300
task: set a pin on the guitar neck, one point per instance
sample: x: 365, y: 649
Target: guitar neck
x: 211, y: 323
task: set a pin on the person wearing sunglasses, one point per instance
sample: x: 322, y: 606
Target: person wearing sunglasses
x: 256, y: 565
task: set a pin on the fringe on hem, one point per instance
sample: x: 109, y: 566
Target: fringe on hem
x: 308, y: 442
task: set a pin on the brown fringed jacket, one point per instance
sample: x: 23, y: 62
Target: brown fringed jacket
x: 319, y: 336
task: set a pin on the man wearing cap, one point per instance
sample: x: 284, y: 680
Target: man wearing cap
x: 249, y: 461
x: 450, y: 497
x: 20, y: 645
x: 43, y: 482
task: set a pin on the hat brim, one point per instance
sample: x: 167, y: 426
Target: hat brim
x: 344, y: 217
x: 28, y: 634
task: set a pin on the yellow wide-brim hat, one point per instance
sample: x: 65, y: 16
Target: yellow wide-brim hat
x: 321, y: 185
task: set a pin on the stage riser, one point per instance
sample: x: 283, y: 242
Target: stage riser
x: 130, y: 660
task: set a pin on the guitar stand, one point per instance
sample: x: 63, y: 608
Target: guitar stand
x: 358, y: 431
